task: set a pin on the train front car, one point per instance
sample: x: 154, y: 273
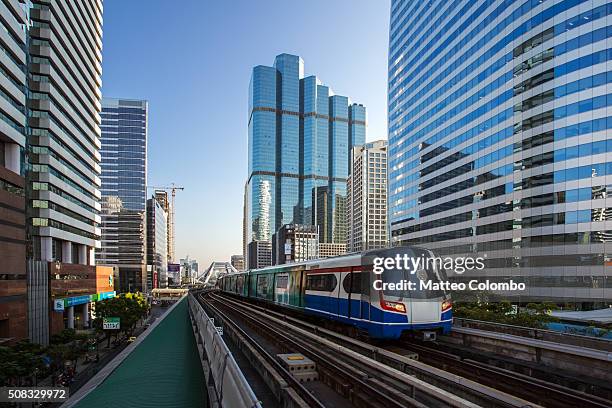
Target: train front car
x: 403, y: 293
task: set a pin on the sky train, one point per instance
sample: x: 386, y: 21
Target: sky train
x: 342, y: 289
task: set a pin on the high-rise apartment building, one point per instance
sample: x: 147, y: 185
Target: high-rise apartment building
x: 367, y: 197
x: 13, y: 290
x: 245, y: 241
x: 300, y: 136
x: 237, y: 261
x: 330, y: 249
x: 295, y: 243
x: 260, y: 254
x: 162, y: 198
x: 157, y: 245
x: 189, y: 269
x: 499, y: 137
x: 49, y: 158
x: 63, y: 130
x: 124, y: 178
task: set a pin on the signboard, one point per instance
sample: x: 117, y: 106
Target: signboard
x: 78, y: 300
x: 174, y: 267
x: 61, y: 304
x: 106, y: 295
x: 219, y: 330
x: 110, y: 323
x: 58, y: 305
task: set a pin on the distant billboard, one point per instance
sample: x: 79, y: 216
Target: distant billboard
x: 174, y: 267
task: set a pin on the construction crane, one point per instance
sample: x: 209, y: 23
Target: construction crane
x: 172, y: 187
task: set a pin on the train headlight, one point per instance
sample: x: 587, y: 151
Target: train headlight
x: 447, y: 304
x: 394, y: 306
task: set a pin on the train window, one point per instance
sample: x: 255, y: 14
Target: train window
x: 262, y: 285
x: 322, y: 282
x: 240, y: 284
x: 427, y: 274
x: 282, y: 281
x: 355, y: 285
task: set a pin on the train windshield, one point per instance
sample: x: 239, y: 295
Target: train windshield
x: 419, y: 283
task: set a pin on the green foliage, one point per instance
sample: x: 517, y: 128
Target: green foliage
x: 536, y: 315
x: 20, y: 361
x: 64, y: 337
x: 23, y: 360
x: 128, y: 307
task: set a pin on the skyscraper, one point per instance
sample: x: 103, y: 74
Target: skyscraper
x: 64, y: 131
x: 237, y: 261
x: 300, y: 136
x: 157, y: 244
x: 49, y: 159
x: 13, y: 291
x: 124, y: 178
x: 260, y: 254
x: 295, y: 243
x: 367, y: 197
x: 162, y: 198
x: 499, y: 137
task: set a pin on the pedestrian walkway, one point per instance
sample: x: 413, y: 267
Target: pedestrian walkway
x: 163, y: 370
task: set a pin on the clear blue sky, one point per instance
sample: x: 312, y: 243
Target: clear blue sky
x: 192, y: 61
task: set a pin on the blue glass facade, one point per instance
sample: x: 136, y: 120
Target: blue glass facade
x: 124, y: 152
x: 124, y: 179
x: 499, y: 113
x: 300, y: 136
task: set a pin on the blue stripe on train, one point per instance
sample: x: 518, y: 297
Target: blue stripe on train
x: 381, y: 325
x: 339, y: 306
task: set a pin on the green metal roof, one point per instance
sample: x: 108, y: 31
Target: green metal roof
x: 162, y: 371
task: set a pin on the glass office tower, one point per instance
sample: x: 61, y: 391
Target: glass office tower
x: 499, y: 137
x: 124, y: 178
x: 300, y: 136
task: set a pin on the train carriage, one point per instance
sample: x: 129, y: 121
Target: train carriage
x: 341, y: 289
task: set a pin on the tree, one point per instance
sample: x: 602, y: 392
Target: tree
x: 128, y: 307
x: 64, y: 337
x: 19, y: 362
x: 536, y: 315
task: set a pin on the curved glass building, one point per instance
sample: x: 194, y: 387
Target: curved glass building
x: 300, y: 138
x: 500, y: 140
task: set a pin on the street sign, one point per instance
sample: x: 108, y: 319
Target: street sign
x: 110, y: 323
x: 58, y: 305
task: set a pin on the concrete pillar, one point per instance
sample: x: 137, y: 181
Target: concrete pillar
x: 12, y: 157
x: 86, y: 315
x: 66, y: 251
x: 92, y: 256
x: 71, y: 317
x: 83, y: 254
x: 46, y: 249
